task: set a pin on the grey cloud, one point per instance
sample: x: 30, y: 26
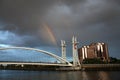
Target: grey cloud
x: 90, y: 20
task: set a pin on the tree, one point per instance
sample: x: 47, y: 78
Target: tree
x: 93, y: 61
x: 114, y: 60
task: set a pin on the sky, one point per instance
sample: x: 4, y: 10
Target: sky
x: 43, y: 23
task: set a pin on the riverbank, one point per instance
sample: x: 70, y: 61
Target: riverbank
x: 100, y: 67
x: 83, y: 67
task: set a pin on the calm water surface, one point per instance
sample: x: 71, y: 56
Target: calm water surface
x: 59, y: 75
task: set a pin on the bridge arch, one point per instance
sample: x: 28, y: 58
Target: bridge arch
x: 39, y: 50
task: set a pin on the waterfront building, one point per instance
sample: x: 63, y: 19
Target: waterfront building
x: 94, y: 50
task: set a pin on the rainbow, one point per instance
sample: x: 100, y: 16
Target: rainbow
x: 49, y: 33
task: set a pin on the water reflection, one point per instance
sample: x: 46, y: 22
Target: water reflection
x: 103, y: 75
x: 84, y: 75
x: 59, y: 75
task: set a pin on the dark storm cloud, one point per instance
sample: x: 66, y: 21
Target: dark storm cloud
x: 25, y: 14
x: 46, y: 22
x: 26, y: 17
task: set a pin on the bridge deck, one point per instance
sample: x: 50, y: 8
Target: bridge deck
x: 36, y: 66
x: 32, y: 63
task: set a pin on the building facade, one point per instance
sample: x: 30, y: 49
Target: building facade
x: 94, y: 50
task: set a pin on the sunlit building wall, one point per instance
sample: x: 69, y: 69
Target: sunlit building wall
x: 94, y: 50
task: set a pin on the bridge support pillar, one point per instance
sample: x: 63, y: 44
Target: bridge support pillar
x: 63, y: 49
x: 75, y: 52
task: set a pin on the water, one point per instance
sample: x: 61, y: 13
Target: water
x: 59, y: 75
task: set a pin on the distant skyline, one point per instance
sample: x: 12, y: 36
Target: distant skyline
x: 43, y: 23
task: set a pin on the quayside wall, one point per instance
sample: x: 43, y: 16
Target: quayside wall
x: 64, y: 68
x: 100, y: 67
x: 38, y: 67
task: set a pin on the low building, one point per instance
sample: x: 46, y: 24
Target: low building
x: 94, y: 50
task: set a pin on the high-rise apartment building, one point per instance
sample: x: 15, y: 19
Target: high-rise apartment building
x: 94, y: 50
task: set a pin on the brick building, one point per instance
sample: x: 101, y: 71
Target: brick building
x: 94, y: 50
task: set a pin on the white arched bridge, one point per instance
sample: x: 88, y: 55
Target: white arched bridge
x: 62, y: 61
